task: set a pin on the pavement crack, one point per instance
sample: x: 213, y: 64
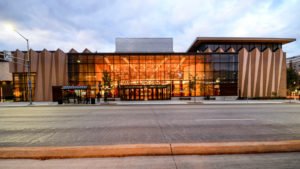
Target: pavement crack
x: 159, y: 125
x: 173, y: 157
x: 164, y: 135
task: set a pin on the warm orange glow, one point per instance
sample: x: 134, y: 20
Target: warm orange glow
x: 17, y: 93
x: 161, y: 74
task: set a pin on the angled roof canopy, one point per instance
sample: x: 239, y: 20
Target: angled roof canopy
x: 238, y: 40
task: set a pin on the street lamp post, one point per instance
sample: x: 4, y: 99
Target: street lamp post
x: 28, y: 66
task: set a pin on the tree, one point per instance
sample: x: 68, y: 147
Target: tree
x: 107, y: 81
x: 192, y: 86
x: 291, y: 79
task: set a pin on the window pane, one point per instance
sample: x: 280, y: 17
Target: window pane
x: 216, y: 58
x: 208, y: 67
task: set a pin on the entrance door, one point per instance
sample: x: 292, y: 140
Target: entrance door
x: 137, y: 94
x: 149, y: 93
x: 154, y: 94
x: 127, y: 91
x: 130, y: 94
x: 159, y: 96
x: 165, y: 94
x: 145, y: 92
x: 142, y: 94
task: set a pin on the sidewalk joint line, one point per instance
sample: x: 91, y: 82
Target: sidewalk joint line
x: 172, y: 154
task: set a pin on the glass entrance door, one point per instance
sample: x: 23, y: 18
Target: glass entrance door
x: 142, y: 94
x: 150, y: 94
x: 147, y: 92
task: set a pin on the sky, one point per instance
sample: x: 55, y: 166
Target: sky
x: 94, y: 24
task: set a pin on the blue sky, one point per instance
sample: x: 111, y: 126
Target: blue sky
x: 94, y: 24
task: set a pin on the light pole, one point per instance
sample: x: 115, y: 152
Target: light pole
x: 28, y: 61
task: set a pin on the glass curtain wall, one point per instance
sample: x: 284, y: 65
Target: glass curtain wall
x: 239, y: 46
x: 20, y: 83
x: 214, y: 74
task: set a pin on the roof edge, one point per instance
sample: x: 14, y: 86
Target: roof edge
x: 198, y: 40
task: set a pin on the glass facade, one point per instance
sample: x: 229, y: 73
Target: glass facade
x: 238, y: 46
x: 20, y: 81
x: 6, y: 90
x: 156, y: 76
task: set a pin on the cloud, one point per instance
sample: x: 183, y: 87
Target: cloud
x: 52, y: 40
x: 94, y: 24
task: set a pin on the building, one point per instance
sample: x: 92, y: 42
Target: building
x: 216, y: 67
x: 6, y: 85
x: 294, y: 62
x: 48, y: 70
x: 144, y: 45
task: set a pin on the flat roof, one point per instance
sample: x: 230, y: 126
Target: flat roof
x: 294, y: 58
x: 147, y: 45
x: 199, y: 40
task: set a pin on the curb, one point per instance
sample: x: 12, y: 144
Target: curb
x: 145, y: 104
x: 148, y: 150
x: 84, y: 151
x: 236, y: 147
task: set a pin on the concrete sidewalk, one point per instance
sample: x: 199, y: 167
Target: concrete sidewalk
x: 21, y: 104
x: 207, y: 102
x: 236, y: 161
x: 160, y: 102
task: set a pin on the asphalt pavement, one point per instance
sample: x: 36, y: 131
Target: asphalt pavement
x: 135, y: 124
x: 241, y: 161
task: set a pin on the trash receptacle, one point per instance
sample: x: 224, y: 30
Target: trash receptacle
x: 92, y: 100
x: 60, y: 101
x: 208, y: 97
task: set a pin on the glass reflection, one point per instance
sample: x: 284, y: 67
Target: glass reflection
x: 157, y: 76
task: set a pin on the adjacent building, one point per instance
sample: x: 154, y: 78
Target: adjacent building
x: 294, y: 62
x: 6, y: 84
x: 148, y: 69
